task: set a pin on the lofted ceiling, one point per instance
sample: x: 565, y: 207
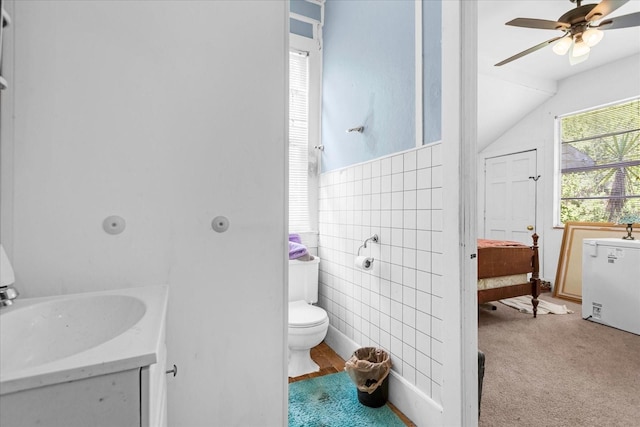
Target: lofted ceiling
x: 508, y: 93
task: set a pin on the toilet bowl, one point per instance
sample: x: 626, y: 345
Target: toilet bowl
x: 308, y: 326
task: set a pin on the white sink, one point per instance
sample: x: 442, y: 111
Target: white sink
x: 52, y: 330
x: 49, y: 340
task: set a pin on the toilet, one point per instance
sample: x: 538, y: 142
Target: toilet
x: 308, y: 324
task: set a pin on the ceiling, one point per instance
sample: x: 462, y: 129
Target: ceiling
x: 525, y: 83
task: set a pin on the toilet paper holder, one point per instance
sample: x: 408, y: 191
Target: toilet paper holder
x: 373, y: 238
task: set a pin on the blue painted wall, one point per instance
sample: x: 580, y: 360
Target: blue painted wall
x: 304, y: 8
x: 432, y: 70
x: 369, y: 78
x: 300, y: 28
x: 310, y: 10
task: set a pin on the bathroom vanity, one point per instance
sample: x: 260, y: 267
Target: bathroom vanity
x: 94, y: 359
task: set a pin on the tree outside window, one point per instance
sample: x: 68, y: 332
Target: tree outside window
x: 600, y: 163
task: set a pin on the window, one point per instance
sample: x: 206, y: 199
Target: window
x: 304, y: 133
x: 298, y: 141
x: 600, y: 163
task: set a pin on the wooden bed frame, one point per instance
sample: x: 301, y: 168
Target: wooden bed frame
x: 498, y: 261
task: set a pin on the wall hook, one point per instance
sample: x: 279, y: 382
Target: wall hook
x: 173, y: 371
x: 358, y: 129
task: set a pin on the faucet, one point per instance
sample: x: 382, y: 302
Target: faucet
x: 7, y: 295
x: 7, y: 278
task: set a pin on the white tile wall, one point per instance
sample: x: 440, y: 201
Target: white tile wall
x: 398, y: 304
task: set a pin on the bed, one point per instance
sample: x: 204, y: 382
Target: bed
x: 508, y: 269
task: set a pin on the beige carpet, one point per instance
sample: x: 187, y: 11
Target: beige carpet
x: 557, y: 370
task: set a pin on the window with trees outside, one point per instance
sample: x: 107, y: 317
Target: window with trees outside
x: 600, y: 163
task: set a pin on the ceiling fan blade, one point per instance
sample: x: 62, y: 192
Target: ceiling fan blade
x: 528, y: 51
x: 542, y: 24
x: 603, y: 9
x: 624, y: 21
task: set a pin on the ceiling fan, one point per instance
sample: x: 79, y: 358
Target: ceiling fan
x: 581, y: 32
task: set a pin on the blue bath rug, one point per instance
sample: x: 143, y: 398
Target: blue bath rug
x: 332, y: 401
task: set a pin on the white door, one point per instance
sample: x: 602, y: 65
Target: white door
x: 510, y: 197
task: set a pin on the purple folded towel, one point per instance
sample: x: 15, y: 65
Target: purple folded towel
x: 297, y: 250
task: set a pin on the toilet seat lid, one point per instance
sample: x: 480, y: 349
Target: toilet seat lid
x: 303, y: 315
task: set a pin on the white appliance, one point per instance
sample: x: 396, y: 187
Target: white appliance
x: 611, y: 283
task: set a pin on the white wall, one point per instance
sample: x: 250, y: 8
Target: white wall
x: 167, y: 115
x: 606, y: 84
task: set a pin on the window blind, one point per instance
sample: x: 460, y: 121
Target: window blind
x: 600, y: 163
x: 298, y: 141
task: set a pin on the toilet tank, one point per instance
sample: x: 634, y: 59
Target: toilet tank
x: 303, y: 280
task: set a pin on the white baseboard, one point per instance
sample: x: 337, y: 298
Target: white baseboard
x: 416, y: 405
x: 340, y: 343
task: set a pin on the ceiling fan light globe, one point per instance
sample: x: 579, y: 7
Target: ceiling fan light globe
x: 577, y: 58
x: 592, y: 36
x: 580, y: 48
x: 562, y: 47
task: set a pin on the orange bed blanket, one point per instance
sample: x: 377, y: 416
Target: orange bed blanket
x: 486, y: 243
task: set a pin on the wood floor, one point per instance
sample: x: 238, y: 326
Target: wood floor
x: 331, y: 363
